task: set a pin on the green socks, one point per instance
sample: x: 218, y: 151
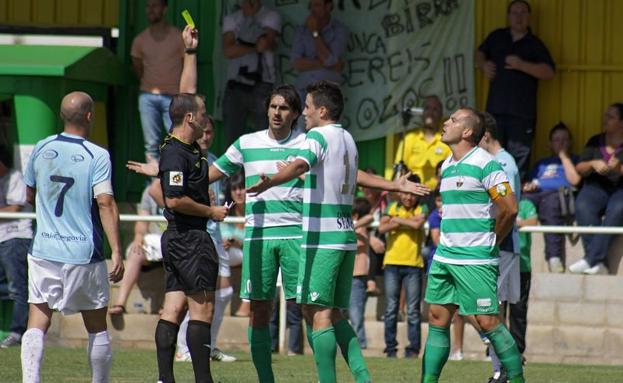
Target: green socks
x: 261, y: 353
x: 506, y: 349
x: 324, y: 354
x: 436, y: 353
x: 347, y: 340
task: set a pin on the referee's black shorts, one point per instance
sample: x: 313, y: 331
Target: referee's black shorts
x: 190, y: 261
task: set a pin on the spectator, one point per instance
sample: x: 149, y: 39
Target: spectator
x: 145, y: 247
x: 547, y: 178
x: 600, y: 201
x: 514, y: 60
x: 421, y: 150
x: 157, y: 56
x: 318, y: 47
x: 434, y: 224
x: 378, y: 202
x: 15, y: 239
x: 249, y: 41
x: 233, y: 233
x: 358, y: 296
x: 518, y: 317
x: 403, y: 265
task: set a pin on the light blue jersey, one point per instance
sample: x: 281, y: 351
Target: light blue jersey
x: 63, y: 169
x: 512, y: 172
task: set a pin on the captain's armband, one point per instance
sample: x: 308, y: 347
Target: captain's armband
x: 500, y: 190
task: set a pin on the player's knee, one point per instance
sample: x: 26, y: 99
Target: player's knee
x: 260, y: 313
x: 487, y: 322
x: 438, y: 316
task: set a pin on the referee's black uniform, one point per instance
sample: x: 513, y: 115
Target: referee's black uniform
x: 190, y: 259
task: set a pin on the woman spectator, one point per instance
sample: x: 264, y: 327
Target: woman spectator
x: 600, y: 201
x: 548, y: 176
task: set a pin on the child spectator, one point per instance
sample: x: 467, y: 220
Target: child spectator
x: 378, y: 202
x: 403, y: 265
x: 358, y: 296
x: 434, y: 225
x: 233, y: 233
x: 547, y: 178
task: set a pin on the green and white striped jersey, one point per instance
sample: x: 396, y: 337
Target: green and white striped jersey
x: 330, y: 187
x: 469, y: 215
x: 275, y: 213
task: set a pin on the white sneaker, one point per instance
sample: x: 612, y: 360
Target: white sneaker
x: 579, y: 267
x: 554, y: 265
x: 183, y: 357
x: 598, y: 269
x: 456, y: 356
x: 219, y: 356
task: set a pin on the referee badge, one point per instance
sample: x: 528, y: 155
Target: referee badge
x: 176, y: 179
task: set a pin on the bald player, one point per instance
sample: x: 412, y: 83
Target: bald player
x: 69, y: 178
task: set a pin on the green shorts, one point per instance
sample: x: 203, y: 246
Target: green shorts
x: 261, y: 261
x: 471, y: 287
x: 325, y: 277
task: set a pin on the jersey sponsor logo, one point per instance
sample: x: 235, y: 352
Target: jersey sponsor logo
x: 50, y: 154
x: 64, y: 238
x: 502, y: 190
x: 77, y: 158
x: 345, y: 222
x: 176, y: 179
x: 314, y: 296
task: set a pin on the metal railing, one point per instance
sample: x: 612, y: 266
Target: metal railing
x: 526, y: 229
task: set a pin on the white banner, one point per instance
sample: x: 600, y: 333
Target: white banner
x: 398, y: 52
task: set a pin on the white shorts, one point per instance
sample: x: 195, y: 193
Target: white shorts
x: 151, y: 247
x: 68, y: 288
x: 509, y: 285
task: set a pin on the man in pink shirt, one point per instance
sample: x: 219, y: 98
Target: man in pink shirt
x: 157, y: 56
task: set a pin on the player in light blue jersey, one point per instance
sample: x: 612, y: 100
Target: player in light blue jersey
x: 69, y: 178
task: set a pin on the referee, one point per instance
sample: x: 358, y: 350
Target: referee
x: 190, y: 259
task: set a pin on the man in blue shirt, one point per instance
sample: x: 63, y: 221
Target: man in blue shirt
x: 70, y: 180
x: 318, y: 47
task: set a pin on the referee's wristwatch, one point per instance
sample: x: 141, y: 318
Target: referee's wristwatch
x: 315, y: 34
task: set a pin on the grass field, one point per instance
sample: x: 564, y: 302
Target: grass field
x: 70, y: 365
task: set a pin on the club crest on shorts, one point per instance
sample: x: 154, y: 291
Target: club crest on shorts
x: 176, y: 179
x: 314, y: 295
x: 483, y: 302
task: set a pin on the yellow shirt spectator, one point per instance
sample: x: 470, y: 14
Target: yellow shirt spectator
x: 421, y: 157
x: 404, y: 243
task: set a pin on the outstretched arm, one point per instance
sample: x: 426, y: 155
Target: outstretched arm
x: 400, y: 185
x: 290, y: 172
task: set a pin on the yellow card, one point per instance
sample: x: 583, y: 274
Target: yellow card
x: 188, y: 18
